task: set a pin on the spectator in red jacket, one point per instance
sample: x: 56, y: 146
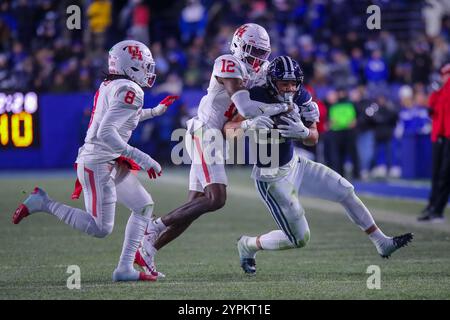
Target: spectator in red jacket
x: 440, y: 137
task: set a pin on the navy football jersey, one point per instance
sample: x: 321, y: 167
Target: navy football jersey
x: 286, y: 148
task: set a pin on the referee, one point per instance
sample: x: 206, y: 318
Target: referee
x: 440, y: 138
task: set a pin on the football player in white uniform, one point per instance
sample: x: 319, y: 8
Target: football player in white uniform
x: 281, y: 186
x: 104, y: 161
x: 232, y: 75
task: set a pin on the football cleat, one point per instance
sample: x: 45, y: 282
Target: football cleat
x: 397, y: 243
x: 246, y: 256
x: 431, y: 217
x: 249, y: 266
x: 131, y: 275
x: 150, y: 236
x: 147, y: 263
x: 437, y: 219
x: 34, y: 203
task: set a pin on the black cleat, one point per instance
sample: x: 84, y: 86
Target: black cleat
x: 397, y: 243
x: 424, y: 217
x: 249, y: 266
x: 431, y: 217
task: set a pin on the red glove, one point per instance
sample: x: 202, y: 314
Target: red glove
x: 152, y: 173
x: 167, y: 101
x: 128, y: 162
x: 163, y: 105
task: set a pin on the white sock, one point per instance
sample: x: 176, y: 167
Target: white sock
x: 378, y: 237
x: 157, y: 225
x: 250, y: 243
x: 74, y: 217
x: 275, y: 240
x: 133, y: 235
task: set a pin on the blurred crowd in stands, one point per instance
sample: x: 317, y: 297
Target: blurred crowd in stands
x: 373, y: 85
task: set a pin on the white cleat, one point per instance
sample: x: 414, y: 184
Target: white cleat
x: 244, y: 251
x: 142, y: 256
x: 392, y: 244
x: 150, y: 237
x: 131, y: 275
x: 246, y: 256
x: 35, y: 202
x: 147, y: 262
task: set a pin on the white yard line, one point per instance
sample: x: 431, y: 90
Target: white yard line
x: 324, y: 206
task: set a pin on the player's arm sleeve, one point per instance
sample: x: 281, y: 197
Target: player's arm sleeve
x: 146, y: 114
x: 247, y: 107
x: 229, y: 71
x: 251, y: 108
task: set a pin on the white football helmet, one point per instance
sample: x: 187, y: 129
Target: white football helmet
x: 251, y: 44
x: 133, y: 59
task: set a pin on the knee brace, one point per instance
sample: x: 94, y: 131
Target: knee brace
x: 146, y: 211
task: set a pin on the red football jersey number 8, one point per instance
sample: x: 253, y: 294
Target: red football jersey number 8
x: 129, y: 97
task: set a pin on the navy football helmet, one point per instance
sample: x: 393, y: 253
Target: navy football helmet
x: 283, y: 68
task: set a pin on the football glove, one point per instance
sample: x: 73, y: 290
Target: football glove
x: 273, y: 109
x: 163, y: 105
x: 146, y: 162
x: 152, y: 173
x: 310, y: 111
x: 258, y: 123
x: 294, y: 128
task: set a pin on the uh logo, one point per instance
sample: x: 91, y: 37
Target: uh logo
x: 135, y: 52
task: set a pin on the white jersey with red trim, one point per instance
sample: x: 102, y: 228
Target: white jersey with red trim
x: 120, y: 103
x: 216, y: 106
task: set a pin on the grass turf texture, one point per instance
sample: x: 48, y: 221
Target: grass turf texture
x: 203, y: 263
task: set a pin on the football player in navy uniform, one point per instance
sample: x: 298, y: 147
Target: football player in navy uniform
x: 282, y: 181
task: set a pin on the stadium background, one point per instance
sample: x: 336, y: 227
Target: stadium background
x: 392, y: 70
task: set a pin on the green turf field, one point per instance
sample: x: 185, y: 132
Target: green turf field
x: 203, y: 263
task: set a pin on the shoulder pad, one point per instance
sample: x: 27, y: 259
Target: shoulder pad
x: 129, y: 95
x: 303, y: 97
x: 228, y: 66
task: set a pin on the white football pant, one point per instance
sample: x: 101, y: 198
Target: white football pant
x: 103, y: 185
x: 207, y: 155
x: 306, y: 178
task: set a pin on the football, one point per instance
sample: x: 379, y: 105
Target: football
x: 277, y: 119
